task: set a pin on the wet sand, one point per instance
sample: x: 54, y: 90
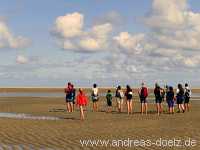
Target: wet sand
x: 67, y: 132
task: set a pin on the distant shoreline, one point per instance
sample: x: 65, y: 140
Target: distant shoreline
x: 61, y: 89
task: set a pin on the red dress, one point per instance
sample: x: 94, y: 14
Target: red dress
x: 81, y: 100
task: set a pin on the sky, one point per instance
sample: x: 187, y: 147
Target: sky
x: 108, y: 42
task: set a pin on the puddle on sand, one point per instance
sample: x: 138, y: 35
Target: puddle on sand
x: 26, y: 116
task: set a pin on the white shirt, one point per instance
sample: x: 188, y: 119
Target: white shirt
x: 95, y: 91
x: 187, y: 88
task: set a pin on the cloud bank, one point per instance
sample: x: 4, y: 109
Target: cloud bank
x: 72, y: 36
x: 8, y: 40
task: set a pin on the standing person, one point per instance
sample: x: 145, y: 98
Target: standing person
x: 162, y: 92
x: 158, y: 98
x: 180, y: 98
x: 69, y: 98
x: 170, y: 100
x: 81, y: 101
x: 143, y: 93
x: 188, y: 94
x: 95, y: 97
x: 119, y: 98
x: 73, y: 97
x: 129, y: 96
x: 109, y: 101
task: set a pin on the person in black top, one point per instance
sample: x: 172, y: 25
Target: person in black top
x: 158, y: 98
x: 129, y: 96
x: 170, y: 100
x: 188, y: 93
x: 180, y: 98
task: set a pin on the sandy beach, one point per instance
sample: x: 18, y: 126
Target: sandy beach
x: 67, y: 132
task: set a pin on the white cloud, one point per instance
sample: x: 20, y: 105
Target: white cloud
x: 8, y: 40
x: 97, y: 38
x: 167, y: 14
x: 72, y: 36
x: 67, y: 44
x: 21, y: 59
x: 174, y: 33
x: 69, y: 25
x: 89, y: 44
x: 170, y: 43
x: 130, y: 42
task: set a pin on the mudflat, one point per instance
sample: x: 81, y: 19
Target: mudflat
x: 69, y: 132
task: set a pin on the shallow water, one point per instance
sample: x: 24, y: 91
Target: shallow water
x: 26, y: 116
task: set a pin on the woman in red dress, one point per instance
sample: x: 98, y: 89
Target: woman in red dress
x: 81, y: 101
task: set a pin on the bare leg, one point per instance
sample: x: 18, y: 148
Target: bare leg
x: 81, y: 113
x: 68, y: 107
x: 161, y: 108
x: 97, y: 108
x: 94, y: 106
x: 121, y: 105
x: 188, y: 107
x: 158, y: 108
x: 128, y: 106
x: 179, y: 109
x: 146, y: 108
x: 142, y: 108
x: 71, y: 106
x: 131, y: 107
x: 182, y: 107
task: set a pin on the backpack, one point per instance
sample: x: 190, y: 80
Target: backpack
x: 144, y: 92
x: 187, y: 93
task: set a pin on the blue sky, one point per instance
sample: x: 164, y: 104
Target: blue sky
x: 119, y: 42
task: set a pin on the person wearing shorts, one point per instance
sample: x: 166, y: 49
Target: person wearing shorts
x: 158, y: 98
x: 170, y: 100
x: 119, y: 98
x: 143, y: 93
x: 95, y: 97
x: 69, y: 97
x: 129, y: 96
x: 180, y: 98
x: 188, y: 94
x: 109, y: 101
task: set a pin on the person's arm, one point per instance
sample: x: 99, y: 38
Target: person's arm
x: 174, y: 97
x: 139, y: 91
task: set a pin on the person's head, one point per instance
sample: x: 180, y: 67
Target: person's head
x: 186, y: 85
x: 72, y: 85
x: 156, y: 85
x: 80, y: 90
x: 180, y: 86
x: 143, y: 84
x: 69, y: 83
x: 128, y: 87
x: 119, y: 87
x: 171, y: 89
x: 109, y: 91
x: 94, y: 85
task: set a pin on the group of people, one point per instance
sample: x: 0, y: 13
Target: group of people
x: 181, y: 97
